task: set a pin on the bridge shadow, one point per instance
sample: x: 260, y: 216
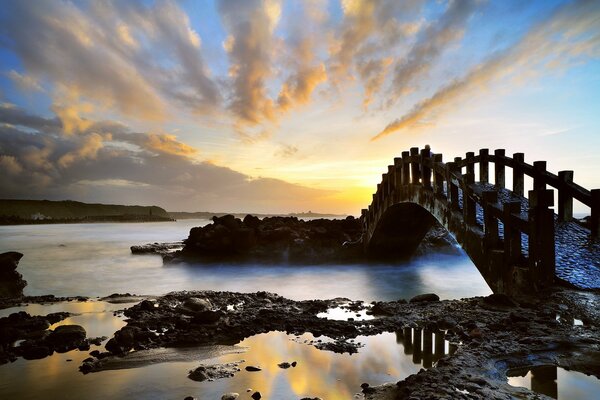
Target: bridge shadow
x: 401, y: 229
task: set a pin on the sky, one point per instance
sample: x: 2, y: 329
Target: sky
x: 275, y: 106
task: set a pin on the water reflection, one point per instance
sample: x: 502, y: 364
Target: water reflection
x: 426, y: 346
x: 555, y: 382
x: 387, y: 357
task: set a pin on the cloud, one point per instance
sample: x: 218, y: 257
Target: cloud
x: 110, y: 163
x: 165, y: 143
x: 87, y: 148
x: 25, y: 82
x: 307, y: 72
x: 430, y: 44
x: 368, y: 38
x: 373, y: 73
x: 286, y: 151
x: 250, y: 49
x: 108, y: 54
x: 570, y: 35
x: 10, y: 165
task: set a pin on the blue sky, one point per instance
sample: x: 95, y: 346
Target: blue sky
x: 246, y: 98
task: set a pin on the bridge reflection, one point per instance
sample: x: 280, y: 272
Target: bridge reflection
x: 542, y: 379
x: 425, y: 345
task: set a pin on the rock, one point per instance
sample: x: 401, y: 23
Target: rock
x: 147, y: 305
x: 68, y: 337
x: 252, y: 368
x: 216, y: 371
x: 294, y: 364
x: 284, y: 365
x: 189, y: 398
x: 230, y: 396
x: 364, y: 385
x: 11, y: 282
x: 9, y: 261
x: 156, y: 248
x: 207, y: 317
x: 423, y: 298
x: 197, y: 305
x: 499, y: 300
x: 36, y: 352
x: 256, y: 396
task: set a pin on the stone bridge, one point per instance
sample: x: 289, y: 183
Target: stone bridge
x: 514, y: 238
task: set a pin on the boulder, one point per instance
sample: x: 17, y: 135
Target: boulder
x: 216, y: 371
x: 9, y: 261
x: 67, y: 336
x: 424, y: 298
x: 11, y: 282
x: 196, y: 304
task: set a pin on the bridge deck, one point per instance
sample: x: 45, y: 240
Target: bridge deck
x: 577, y: 254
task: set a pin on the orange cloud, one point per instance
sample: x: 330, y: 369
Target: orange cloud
x: 165, y: 143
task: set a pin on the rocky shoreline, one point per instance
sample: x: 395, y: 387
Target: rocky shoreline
x: 491, y: 335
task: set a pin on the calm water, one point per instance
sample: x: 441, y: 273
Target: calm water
x: 95, y: 260
x: 557, y: 383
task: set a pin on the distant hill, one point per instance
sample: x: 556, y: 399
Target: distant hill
x: 46, y: 211
x: 209, y: 215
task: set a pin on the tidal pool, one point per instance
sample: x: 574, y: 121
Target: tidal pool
x: 556, y: 382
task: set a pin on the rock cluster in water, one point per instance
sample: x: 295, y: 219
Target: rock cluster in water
x: 23, y: 335
x: 11, y: 282
x: 286, y: 240
x: 273, y: 239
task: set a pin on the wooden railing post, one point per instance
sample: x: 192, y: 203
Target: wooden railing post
x: 484, y: 166
x: 541, y: 236
x: 469, y: 207
x: 405, y: 168
x: 518, y: 174
x: 364, y: 218
x: 512, y: 236
x: 415, y: 171
x: 565, y: 200
x: 539, y: 181
x: 595, y: 213
x: 499, y: 166
x: 470, y: 157
x: 452, y: 188
x: 425, y: 171
x: 438, y: 179
x: 490, y: 223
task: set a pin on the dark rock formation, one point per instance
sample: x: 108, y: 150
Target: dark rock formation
x: 11, y: 282
x: 273, y: 239
x: 23, y: 335
x: 424, y: 298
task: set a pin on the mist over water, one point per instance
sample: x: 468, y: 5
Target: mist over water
x: 95, y: 260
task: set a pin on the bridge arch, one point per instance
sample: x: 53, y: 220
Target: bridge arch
x: 509, y: 237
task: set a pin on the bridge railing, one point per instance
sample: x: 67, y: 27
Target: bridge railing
x: 492, y: 210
